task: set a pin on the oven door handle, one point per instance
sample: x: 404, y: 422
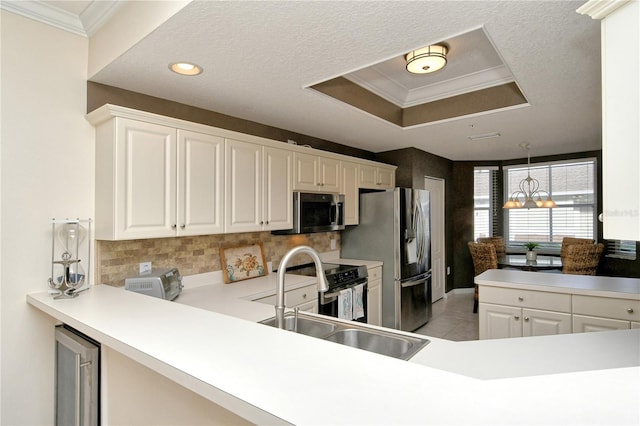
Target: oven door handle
x: 334, y: 294
x: 337, y: 293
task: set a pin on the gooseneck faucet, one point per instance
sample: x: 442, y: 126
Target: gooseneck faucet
x: 322, y: 280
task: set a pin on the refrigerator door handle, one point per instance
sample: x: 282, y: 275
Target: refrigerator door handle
x: 420, y: 232
x: 413, y: 282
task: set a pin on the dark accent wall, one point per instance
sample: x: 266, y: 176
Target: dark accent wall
x: 413, y: 165
x: 100, y: 94
x: 462, y: 218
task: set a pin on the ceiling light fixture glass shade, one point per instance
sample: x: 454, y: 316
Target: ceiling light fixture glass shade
x: 428, y: 59
x: 529, y: 190
x: 185, y: 68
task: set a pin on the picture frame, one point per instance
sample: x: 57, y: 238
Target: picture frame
x: 243, y: 262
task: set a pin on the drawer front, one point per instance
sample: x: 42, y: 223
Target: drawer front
x: 374, y: 283
x: 375, y: 273
x: 559, y: 302
x: 585, y: 324
x: 622, y: 309
x: 301, y: 295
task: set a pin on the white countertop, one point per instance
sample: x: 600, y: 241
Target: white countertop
x: 253, y: 370
x: 627, y: 288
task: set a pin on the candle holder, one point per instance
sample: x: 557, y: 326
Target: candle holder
x: 67, y: 272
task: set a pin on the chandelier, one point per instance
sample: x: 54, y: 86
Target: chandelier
x: 529, y: 190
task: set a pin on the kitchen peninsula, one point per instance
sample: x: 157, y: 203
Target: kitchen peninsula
x: 266, y: 376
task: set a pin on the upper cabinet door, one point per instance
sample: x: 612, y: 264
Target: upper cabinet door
x: 200, y: 183
x: 349, y: 187
x: 145, y: 182
x: 386, y: 178
x: 306, y: 172
x: 373, y: 177
x: 316, y: 173
x: 277, y: 192
x: 243, y: 199
x: 368, y: 176
x: 329, y: 178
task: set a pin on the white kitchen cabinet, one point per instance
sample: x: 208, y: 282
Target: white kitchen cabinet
x: 376, y: 177
x: 258, y: 194
x: 305, y: 298
x: 349, y: 187
x: 200, y: 184
x: 592, y: 313
x: 156, y: 181
x: 277, y: 188
x: 510, y: 312
x: 316, y: 173
x: 158, y: 177
x: 620, y: 44
x: 499, y: 321
x: 374, y: 295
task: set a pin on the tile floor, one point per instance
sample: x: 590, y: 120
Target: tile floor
x: 453, y: 318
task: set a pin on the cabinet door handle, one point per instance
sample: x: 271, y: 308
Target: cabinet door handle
x: 267, y: 222
x: 261, y: 223
x: 516, y: 317
x: 520, y: 298
x: 630, y: 310
x: 526, y: 318
x: 174, y: 226
x: 304, y: 296
x: 183, y: 226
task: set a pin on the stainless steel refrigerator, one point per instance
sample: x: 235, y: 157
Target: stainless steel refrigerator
x: 394, y: 227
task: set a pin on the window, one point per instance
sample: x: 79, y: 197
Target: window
x: 485, y: 192
x: 572, y: 187
x: 621, y: 249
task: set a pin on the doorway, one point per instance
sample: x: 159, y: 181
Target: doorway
x: 438, y: 254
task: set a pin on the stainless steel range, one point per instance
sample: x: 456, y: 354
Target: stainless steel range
x: 347, y: 294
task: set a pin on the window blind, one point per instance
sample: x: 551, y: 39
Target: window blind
x: 485, y: 202
x: 622, y: 249
x: 572, y: 187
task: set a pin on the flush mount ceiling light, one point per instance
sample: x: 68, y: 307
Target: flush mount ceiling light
x: 185, y: 68
x: 529, y: 190
x: 428, y: 59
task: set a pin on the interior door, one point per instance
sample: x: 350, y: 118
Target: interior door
x: 438, y: 254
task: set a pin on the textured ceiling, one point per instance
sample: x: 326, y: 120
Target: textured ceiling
x: 260, y: 57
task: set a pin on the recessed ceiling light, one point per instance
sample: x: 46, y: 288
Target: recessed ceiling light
x: 485, y: 136
x: 185, y: 68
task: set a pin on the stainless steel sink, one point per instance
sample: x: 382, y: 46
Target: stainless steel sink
x: 356, y: 335
x: 397, y: 346
x: 308, y: 326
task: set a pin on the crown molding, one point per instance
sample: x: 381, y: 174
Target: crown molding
x: 599, y: 9
x: 85, y: 24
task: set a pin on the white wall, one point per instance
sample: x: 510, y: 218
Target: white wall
x: 46, y: 171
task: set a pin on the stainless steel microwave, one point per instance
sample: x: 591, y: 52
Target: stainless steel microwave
x: 316, y: 213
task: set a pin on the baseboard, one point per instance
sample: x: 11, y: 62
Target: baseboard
x: 460, y: 291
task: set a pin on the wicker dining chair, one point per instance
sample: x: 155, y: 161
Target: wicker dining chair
x: 568, y: 241
x: 484, y: 257
x: 582, y: 259
x: 497, y: 242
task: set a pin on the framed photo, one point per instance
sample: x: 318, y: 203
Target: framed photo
x: 243, y: 263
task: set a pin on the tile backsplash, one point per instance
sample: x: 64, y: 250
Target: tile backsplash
x: 117, y: 260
